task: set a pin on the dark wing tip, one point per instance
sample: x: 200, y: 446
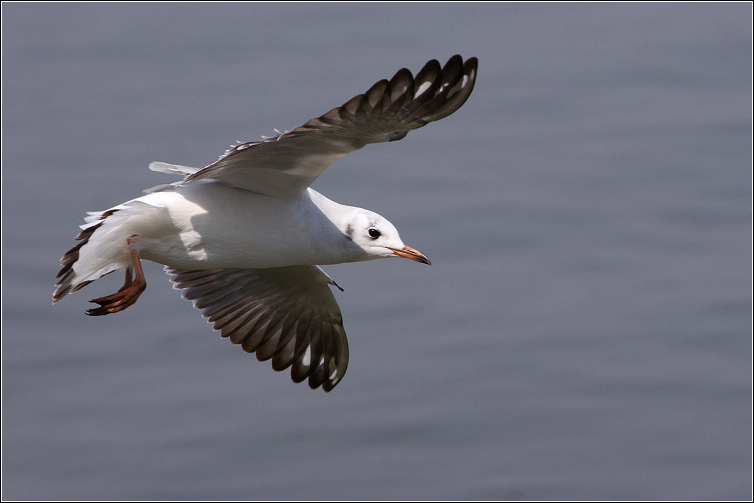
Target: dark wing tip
x: 390, y: 109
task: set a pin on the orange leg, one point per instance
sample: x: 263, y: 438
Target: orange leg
x: 128, y: 293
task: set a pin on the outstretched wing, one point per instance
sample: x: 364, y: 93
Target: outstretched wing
x: 288, y: 314
x: 290, y: 162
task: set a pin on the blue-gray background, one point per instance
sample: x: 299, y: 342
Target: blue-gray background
x: 583, y: 333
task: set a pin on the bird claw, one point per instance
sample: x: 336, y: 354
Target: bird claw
x: 128, y: 294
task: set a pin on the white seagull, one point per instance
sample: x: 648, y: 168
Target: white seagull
x: 243, y: 237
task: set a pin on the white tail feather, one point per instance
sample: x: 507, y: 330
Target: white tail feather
x: 103, y: 248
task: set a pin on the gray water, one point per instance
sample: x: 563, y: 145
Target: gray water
x: 584, y: 331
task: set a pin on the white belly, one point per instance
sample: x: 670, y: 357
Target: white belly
x: 208, y: 225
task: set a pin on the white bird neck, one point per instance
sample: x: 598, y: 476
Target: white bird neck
x: 331, y: 233
x: 337, y: 213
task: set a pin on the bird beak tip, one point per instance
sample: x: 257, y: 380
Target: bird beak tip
x: 411, y: 254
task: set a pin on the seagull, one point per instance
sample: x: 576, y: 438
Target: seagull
x: 243, y: 237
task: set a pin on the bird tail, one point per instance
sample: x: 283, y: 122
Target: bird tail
x: 103, y: 247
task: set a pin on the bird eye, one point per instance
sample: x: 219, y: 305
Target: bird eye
x: 374, y: 233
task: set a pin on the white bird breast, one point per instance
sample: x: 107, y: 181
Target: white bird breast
x: 209, y: 225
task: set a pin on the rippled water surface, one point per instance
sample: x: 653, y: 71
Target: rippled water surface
x: 584, y: 331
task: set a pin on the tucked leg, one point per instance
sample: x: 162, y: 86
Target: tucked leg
x: 134, y: 285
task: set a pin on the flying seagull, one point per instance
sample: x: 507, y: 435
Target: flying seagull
x: 244, y: 236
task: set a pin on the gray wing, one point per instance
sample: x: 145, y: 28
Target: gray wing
x: 290, y: 162
x: 288, y: 314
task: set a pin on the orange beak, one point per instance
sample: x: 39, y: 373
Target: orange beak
x: 412, y: 254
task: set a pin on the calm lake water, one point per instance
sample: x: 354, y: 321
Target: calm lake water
x: 584, y: 331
